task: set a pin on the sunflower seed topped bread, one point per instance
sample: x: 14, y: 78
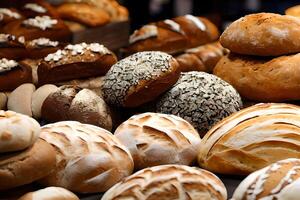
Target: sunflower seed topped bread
x: 173, y: 35
x: 263, y: 34
x: 158, y: 139
x: 89, y: 159
x: 50, y: 193
x: 76, y: 61
x: 169, y: 182
x: 252, y: 139
x: 200, y: 98
x: 140, y: 78
x: 17, y: 131
x: 279, y: 180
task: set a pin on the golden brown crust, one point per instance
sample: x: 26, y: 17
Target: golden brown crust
x: 293, y: 11
x: 263, y: 34
x: 262, y: 79
x: 24, y: 167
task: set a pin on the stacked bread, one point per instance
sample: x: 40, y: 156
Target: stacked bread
x: 263, y: 63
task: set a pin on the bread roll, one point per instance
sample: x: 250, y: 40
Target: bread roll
x: 158, y: 139
x: 200, y: 98
x: 279, y: 180
x: 169, y: 182
x: 262, y: 79
x: 8, y: 15
x: 3, y: 101
x: 252, y: 139
x: 27, y: 166
x: 50, y: 193
x: 263, y: 34
x: 140, y: 78
x: 89, y: 159
x: 38, y: 8
x: 17, y: 131
x: 293, y: 11
x: 12, y: 47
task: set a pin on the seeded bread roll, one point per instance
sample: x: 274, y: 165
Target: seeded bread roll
x: 140, y: 78
x: 17, y: 131
x: 74, y: 62
x: 40, y: 26
x: 89, y: 159
x: 3, y: 101
x: 200, y: 98
x: 50, y: 193
x: 24, y: 167
x: 293, y: 11
x: 12, y: 47
x: 8, y: 15
x: 173, y: 35
x: 74, y: 103
x: 39, y: 8
x: 252, y: 139
x: 276, y: 181
x: 263, y: 34
x: 169, y: 182
x: 158, y: 139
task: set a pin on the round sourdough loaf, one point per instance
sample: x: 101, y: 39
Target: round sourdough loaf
x: 200, y: 98
x: 169, y: 182
x: 17, y: 131
x: 140, y: 78
x: 50, y: 193
x: 263, y: 34
x: 89, y: 159
x: 158, y: 139
x: 252, y: 139
x: 23, y: 167
x: 280, y: 181
x: 262, y: 79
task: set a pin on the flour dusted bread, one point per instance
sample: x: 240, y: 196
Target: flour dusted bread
x: 50, y: 193
x: 157, y: 139
x: 252, y: 139
x: 262, y: 79
x: 17, y: 131
x: 23, y: 167
x: 89, y: 159
x: 279, y: 180
x: 140, y: 78
x: 169, y: 182
x: 263, y: 34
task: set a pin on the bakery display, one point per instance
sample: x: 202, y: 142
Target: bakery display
x: 76, y: 61
x: 169, y: 182
x: 279, y: 180
x: 75, y: 103
x: 89, y: 159
x: 12, y: 47
x: 50, y: 193
x: 140, y: 78
x: 159, y: 139
x: 293, y: 11
x: 251, y: 139
x: 173, y: 35
x: 200, y: 98
x: 263, y: 34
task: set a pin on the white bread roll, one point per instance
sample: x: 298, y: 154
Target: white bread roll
x: 20, y: 99
x: 252, y: 139
x: 17, y: 131
x: 280, y: 181
x: 50, y: 193
x: 169, y: 182
x: 3, y: 100
x: 157, y: 139
x: 89, y: 159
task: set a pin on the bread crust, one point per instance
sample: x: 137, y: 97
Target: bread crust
x: 50, y: 193
x: 293, y: 11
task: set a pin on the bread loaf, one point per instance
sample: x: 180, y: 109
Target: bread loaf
x: 8, y: 15
x: 17, y: 131
x: 265, y: 79
x: 140, y: 78
x: 293, y: 11
x: 173, y: 35
x: 279, y: 180
x: 263, y: 34
x: 200, y: 98
x: 251, y: 139
x: 158, y: 139
x: 89, y: 159
x: 50, y: 193
x: 27, y: 166
x: 12, y: 47
x: 169, y: 182
x: 38, y: 8
x: 74, y: 62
